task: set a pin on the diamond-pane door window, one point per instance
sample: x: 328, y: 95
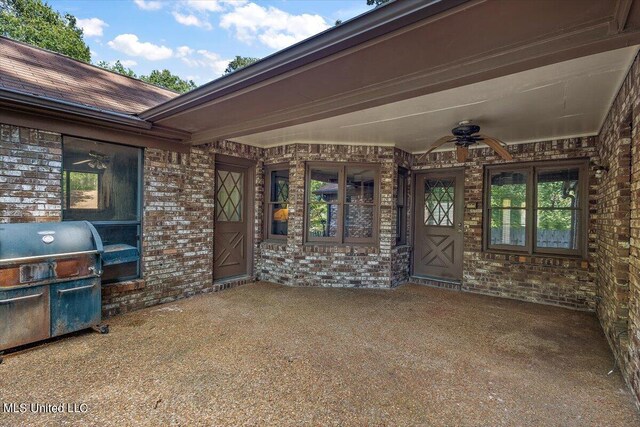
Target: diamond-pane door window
x: 438, y: 201
x: 229, y: 196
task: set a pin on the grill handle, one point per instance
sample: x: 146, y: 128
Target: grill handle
x: 79, y: 288
x: 16, y: 299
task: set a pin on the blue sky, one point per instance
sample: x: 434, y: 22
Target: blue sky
x: 196, y: 38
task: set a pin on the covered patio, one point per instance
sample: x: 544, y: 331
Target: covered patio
x: 268, y: 354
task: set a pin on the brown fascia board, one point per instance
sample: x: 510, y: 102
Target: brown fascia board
x: 8, y: 95
x: 375, y: 23
x: 38, y: 112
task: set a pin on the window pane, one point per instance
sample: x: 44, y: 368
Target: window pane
x: 558, y: 188
x: 83, y: 189
x: 509, y: 189
x: 508, y: 227
x: 360, y: 185
x: 229, y: 187
x: 280, y: 219
x: 280, y: 186
x: 358, y: 221
x: 439, y: 196
x: 323, y: 219
x: 102, y: 177
x: 557, y: 228
x: 323, y: 185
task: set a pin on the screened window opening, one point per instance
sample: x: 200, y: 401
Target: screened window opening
x: 101, y: 183
x: 342, y: 203
x: 277, y: 215
x: 538, y: 208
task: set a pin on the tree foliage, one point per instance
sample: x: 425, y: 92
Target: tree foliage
x: 377, y: 2
x: 118, y: 68
x: 36, y: 23
x: 168, y: 80
x: 551, y: 195
x: 239, y: 62
x: 163, y: 78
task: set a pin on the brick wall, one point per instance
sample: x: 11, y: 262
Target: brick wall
x: 401, y: 254
x: 30, y: 187
x: 177, y: 232
x: 618, y: 228
x: 294, y: 262
x: 567, y: 281
x: 178, y: 227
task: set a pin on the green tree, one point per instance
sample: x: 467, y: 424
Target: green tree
x: 168, y: 80
x: 377, y: 2
x: 239, y: 62
x: 118, y: 68
x: 36, y: 23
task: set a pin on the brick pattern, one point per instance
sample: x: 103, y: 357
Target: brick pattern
x: 178, y: 227
x: 568, y: 282
x: 618, y: 228
x: 633, y: 349
x: 401, y: 255
x: 30, y: 175
x: 295, y: 263
x: 177, y: 232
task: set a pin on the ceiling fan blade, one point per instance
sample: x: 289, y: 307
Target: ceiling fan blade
x: 439, y: 142
x: 82, y: 161
x: 497, y: 146
x: 462, y: 153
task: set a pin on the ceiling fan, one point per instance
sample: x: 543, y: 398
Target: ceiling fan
x: 466, y: 134
x: 95, y: 161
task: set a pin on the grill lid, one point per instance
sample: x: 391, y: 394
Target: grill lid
x: 42, y: 240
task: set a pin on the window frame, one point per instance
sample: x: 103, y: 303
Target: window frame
x: 531, y: 210
x: 268, y: 212
x: 402, y: 205
x: 339, y: 239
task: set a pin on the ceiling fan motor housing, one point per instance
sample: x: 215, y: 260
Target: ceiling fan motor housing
x: 464, y: 134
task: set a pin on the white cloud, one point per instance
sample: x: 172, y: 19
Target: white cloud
x: 183, y: 51
x: 92, y: 27
x: 202, y: 58
x: 271, y: 26
x: 148, y: 4
x: 191, y: 20
x: 214, y: 62
x: 212, y: 5
x: 132, y: 46
x: 128, y: 63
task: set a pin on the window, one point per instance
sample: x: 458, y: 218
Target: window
x: 277, y: 206
x: 401, y: 206
x: 537, y: 208
x: 101, y: 183
x: 342, y: 203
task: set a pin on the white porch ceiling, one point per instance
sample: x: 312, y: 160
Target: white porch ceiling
x: 561, y: 100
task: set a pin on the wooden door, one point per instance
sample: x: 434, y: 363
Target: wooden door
x: 438, y: 240
x: 231, y: 232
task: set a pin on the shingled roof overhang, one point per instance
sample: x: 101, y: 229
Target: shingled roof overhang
x: 402, y: 50
x: 46, y: 90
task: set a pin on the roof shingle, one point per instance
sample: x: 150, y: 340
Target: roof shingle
x: 38, y: 72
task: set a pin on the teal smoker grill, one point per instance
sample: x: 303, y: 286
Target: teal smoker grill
x: 49, y: 281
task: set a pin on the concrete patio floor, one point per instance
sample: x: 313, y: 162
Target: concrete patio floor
x: 267, y: 354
